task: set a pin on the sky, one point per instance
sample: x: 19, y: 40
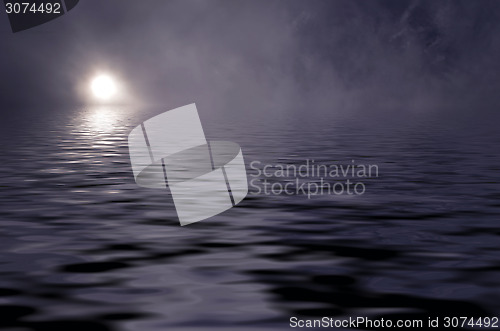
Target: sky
x: 319, y: 55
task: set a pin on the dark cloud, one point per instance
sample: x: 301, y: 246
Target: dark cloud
x: 261, y: 55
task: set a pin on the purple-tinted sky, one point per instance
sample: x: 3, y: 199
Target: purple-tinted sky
x: 287, y: 54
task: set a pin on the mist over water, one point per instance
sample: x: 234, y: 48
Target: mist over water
x: 265, y: 56
x: 410, y: 86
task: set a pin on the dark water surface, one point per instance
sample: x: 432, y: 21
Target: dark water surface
x: 83, y: 247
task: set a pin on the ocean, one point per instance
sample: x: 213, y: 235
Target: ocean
x: 82, y: 247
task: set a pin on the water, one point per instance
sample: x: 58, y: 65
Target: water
x: 83, y: 247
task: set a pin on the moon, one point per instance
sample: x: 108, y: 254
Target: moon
x: 103, y: 87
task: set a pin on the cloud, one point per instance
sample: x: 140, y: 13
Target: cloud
x: 327, y: 56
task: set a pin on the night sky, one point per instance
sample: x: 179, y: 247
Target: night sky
x: 422, y: 56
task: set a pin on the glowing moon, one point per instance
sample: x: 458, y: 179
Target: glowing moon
x: 103, y: 87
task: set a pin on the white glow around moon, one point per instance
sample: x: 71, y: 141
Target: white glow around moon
x: 103, y: 87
